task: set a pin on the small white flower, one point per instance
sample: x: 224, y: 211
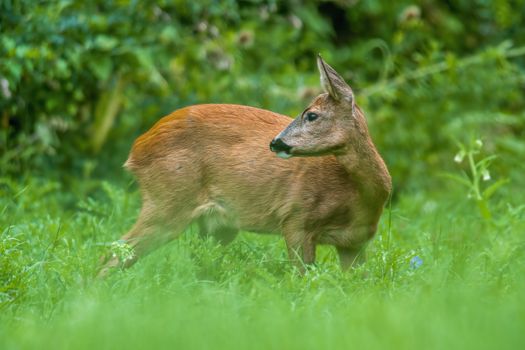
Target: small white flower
x: 122, y: 250
x: 429, y: 206
x: 458, y: 158
x: 4, y: 87
x: 485, y: 174
x: 479, y: 143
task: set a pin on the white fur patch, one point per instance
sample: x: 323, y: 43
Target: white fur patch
x: 214, y: 215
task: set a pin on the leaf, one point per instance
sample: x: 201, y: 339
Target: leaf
x: 484, y: 209
x: 485, y: 162
x: 105, y: 42
x: 169, y: 35
x: 457, y: 178
x: 15, y: 69
x: 102, y: 68
x: 489, y: 191
x: 145, y: 58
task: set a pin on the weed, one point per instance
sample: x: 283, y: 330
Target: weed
x: 476, y: 176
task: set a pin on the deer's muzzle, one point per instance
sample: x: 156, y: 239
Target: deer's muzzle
x: 278, y: 145
x: 281, y: 148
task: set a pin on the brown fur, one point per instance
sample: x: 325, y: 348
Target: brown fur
x: 211, y: 164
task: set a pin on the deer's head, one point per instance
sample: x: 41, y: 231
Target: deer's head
x: 329, y: 125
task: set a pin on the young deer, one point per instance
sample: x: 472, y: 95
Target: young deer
x: 211, y: 164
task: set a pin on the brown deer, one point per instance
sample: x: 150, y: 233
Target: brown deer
x: 210, y: 164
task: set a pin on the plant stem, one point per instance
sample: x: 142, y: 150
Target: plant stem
x: 475, y: 175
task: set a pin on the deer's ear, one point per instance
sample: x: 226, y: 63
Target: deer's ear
x: 333, y: 83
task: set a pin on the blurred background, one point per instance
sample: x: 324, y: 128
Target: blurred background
x: 80, y: 80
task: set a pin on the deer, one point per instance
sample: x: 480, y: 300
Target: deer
x: 316, y: 179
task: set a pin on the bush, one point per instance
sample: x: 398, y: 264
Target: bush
x: 76, y: 74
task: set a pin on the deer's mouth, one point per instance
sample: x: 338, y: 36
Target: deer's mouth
x: 280, y: 148
x: 283, y: 155
x: 296, y: 152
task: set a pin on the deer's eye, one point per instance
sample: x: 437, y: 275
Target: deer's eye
x: 311, y: 116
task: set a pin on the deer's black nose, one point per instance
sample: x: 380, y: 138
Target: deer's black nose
x: 278, y: 145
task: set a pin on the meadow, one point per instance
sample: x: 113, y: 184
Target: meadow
x: 437, y: 276
x: 442, y: 84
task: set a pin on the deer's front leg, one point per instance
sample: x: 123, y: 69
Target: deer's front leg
x: 301, y: 248
x: 351, y: 257
x: 352, y: 252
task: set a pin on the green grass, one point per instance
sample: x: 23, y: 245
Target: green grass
x: 469, y: 291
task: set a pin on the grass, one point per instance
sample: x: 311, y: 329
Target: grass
x: 437, y: 276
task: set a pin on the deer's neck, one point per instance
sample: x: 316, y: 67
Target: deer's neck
x: 368, y: 173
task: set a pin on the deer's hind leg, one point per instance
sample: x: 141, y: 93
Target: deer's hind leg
x: 155, y: 226
x: 171, y: 187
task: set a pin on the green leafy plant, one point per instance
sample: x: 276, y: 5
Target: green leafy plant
x: 476, y: 179
x: 122, y: 250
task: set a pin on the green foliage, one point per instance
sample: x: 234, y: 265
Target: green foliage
x: 478, y: 172
x: 122, y: 251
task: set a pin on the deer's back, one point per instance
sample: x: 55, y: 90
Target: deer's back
x: 215, y: 126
